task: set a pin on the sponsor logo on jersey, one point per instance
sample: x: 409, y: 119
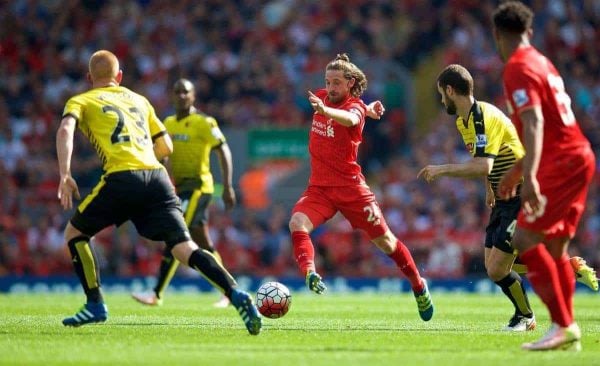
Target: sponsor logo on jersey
x: 323, y: 129
x: 520, y: 97
x: 180, y: 137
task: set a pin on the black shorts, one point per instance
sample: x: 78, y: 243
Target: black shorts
x: 146, y: 197
x: 501, y: 228
x: 195, y: 207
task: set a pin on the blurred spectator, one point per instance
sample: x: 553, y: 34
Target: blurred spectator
x: 445, y: 259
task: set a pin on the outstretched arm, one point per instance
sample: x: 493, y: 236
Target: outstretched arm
x: 343, y: 117
x: 67, y: 186
x: 476, y: 167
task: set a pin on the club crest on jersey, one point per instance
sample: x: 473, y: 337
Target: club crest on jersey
x: 520, y: 97
x: 480, y: 140
x: 330, y: 130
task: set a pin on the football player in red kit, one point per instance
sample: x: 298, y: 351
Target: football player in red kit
x: 557, y: 169
x: 336, y: 182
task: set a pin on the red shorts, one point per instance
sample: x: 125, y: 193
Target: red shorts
x: 356, y: 203
x: 565, y: 186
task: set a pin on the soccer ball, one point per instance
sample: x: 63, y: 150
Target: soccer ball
x: 273, y: 299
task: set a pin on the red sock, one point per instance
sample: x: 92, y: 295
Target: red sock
x: 566, y: 278
x: 304, y: 252
x: 406, y: 263
x: 542, y: 274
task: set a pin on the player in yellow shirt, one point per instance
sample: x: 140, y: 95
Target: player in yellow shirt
x: 130, y: 140
x: 194, y: 135
x: 493, y: 142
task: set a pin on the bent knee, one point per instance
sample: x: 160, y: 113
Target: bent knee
x: 496, y: 272
x: 300, y: 222
x: 183, y: 250
x: 71, y: 232
x: 386, y: 243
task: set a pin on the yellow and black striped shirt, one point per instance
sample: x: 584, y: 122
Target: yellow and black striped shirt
x: 120, y: 124
x: 490, y: 133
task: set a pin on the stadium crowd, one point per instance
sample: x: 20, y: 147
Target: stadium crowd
x: 252, y: 62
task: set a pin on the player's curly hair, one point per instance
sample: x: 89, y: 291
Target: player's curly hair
x: 458, y: 77
x: 350, y: 70
x: 512, y: 17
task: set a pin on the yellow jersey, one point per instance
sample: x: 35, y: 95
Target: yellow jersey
x: 193, y: 138
x: 120, y: 124
x: 488, y: 132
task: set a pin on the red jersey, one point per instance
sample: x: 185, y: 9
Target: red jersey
x: 530, y: 79
x: 567, y: 162
x: 334, y: 148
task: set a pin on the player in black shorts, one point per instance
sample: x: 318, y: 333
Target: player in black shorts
x: 130, y: 140
x: 500, y: 229
x: 195, y: 212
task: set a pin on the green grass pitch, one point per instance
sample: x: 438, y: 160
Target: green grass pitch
x: 332, y: 329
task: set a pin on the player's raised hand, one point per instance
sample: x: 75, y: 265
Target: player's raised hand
x: 375, y: 109
x: 66, y: 189
x: 228, y: 197
x: 316, y: 103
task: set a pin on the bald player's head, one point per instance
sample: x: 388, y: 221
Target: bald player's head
x: 104, y: 68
